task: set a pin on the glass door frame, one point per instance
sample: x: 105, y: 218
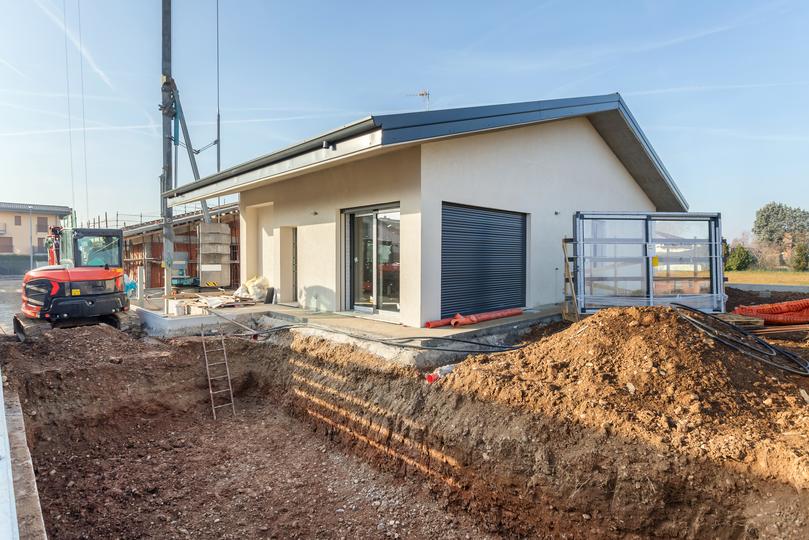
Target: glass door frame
x: 348, y: 217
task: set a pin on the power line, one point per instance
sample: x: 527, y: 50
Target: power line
x: 218, y: 117
x: 69, y: 115
x: 218, y: 137
x: 83, y: 118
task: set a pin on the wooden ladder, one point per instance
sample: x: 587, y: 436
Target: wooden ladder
x: 570, y: 304
x: 218, y: 370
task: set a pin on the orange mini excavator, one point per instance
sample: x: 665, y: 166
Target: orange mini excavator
x: 82, y: 284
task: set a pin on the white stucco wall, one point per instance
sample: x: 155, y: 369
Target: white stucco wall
x: 548, y: 171
x: 312, y: 203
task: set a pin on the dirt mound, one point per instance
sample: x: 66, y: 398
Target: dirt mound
x: 90, y: 343
x: 647, y: 371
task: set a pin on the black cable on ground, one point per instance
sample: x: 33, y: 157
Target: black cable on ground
x: 484, y: 347
x: 742, y: 341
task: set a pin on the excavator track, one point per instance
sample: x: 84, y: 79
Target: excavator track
x: 29, y: 330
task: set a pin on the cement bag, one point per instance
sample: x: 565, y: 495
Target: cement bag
x: 241, y: 292
x: 257, y: 288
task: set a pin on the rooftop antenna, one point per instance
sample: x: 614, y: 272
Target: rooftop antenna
x: 424, y: 94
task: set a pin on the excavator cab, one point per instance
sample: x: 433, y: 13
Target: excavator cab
x: 82, y: 284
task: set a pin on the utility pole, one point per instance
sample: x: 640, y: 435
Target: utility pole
x: 166, y: 178
x: 218, y: 116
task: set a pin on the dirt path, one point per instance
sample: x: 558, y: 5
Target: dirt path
x: 260, y: 475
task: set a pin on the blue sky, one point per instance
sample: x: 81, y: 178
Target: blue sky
x: 719, y: 87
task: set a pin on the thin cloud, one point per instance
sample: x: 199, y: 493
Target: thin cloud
x: 679, y: 40
x: 734, y: 133
x: 13, y: 68
x: 60, y: 95
x: 711, y: 88
x: 88, y: 57
x: 568, y: 59
x: 153, y: 125
x: 45, y: 112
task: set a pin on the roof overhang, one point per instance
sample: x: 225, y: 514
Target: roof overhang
x: 608, y: 114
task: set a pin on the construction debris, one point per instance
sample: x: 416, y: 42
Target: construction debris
x: 629, y: 423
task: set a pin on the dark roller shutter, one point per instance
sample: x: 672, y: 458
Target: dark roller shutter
x: 482, y: 260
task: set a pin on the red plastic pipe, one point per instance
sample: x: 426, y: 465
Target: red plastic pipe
x: 438, y: 322
x: 462, y: 320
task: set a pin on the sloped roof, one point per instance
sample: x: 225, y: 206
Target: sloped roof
x: 60, y: 211
x: 608, y: 114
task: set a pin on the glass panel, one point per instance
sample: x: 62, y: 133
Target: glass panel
x: 680, y: 251
x: 363, y: 253
x: 690, y: 230
x: 605, y: 278
x: 613, y: 250
x: 387, y: 260
x: 99, y: 251
x: 675, y: 286
x: 625, y: 229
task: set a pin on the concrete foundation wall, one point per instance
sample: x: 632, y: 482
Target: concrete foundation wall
x: 548, y: 171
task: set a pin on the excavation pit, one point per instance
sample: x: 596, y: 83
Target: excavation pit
x: 577, y: 434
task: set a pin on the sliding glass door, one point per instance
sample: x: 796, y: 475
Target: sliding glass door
x: 374, y: 260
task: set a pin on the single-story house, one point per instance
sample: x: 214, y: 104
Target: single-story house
x: 422, y: 215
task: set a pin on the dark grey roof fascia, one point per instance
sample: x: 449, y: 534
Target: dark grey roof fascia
x: 510, y: 113
x: 336, y: 135
x: 35, y: 208
x: 401, y: 128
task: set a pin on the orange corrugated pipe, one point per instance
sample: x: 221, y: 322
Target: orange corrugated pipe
x: 780, y: 307
x: 462, y: 320
x: 438, y: 322
x: 793, y: 312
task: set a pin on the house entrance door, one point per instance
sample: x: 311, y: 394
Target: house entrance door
x: 374, y: 260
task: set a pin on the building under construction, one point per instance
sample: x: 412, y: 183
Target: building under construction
x: 143, y: 248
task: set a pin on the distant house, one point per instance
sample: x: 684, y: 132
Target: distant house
x: 24, y: 227
x: 417, y: 216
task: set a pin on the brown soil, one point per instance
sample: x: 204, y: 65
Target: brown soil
x: 685, y: 434
x: 738, y: 297
x: 124, y: 447
x: 627, y: 424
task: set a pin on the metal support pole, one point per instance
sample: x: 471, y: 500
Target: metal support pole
x: 206, y: 215
x: 218, y: 116
x: 166, y: 178
x: 141, y: 282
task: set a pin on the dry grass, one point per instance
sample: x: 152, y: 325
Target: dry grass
x: 768, y: 277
